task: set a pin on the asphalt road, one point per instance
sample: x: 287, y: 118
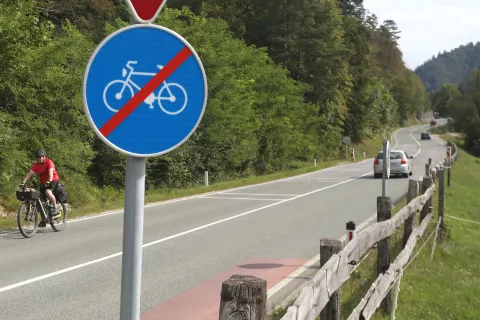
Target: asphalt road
x: 76, y: 274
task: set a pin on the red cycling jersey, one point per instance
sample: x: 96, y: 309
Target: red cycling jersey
x: 42, y: 170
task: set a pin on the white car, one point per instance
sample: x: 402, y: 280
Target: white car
x: 400, y: 163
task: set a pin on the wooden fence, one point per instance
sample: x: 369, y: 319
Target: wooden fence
x: 244, y: 297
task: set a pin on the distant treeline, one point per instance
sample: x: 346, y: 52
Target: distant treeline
x: 462, y: 104
x: 453, y: 67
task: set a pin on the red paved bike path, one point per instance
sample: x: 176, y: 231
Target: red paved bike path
x: 203, y: 301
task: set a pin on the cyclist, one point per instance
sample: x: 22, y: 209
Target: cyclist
x: 45, y: 168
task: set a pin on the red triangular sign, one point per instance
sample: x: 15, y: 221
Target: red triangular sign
x: 147, y: 10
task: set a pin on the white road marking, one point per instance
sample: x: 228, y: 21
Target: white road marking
x: 160, y: 203
x: 56, y: 273
x: 420, y: 149
x: 231, y: 198
x: 395, y: 137
x: 318, y: 180
x: 262, y: 194
x: 411, y: 135
x: 4, y: 234
x: 437, y: 140
x: 316, y: 260
x: 108, y: 213
x: 49, y: 275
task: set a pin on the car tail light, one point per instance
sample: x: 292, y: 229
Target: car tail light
x: 404, y: 161
x: 376, y: 162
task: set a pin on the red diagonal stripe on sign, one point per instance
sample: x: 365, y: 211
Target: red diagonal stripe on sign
x: 141, y: 95
x: 146, y: 9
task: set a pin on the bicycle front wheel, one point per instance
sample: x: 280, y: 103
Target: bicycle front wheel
x: 27, y: 220
x: 59, y: 223
x: 172, y: 98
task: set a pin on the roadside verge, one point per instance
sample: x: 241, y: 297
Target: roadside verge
x: 155, y: 197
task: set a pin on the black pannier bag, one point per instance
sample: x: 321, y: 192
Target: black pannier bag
x: 61, y: 194
x: 28, y: 195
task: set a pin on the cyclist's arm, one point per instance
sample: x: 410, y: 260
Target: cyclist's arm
x: 50, y: 167
x: 50, y: 174
x: 28, y: 176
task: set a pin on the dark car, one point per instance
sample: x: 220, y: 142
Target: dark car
x: 426, y: 136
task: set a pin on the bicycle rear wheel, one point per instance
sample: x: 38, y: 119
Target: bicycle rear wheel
x: 58, y: 224
x: 27, y: 220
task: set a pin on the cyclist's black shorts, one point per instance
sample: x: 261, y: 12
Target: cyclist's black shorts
x: 54, y: 187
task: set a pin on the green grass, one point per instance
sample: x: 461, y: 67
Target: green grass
x: 370, y: 146
x: 447, y: 287
x: 366, y: 273
x: 413, y: 121
x: 442, y: 129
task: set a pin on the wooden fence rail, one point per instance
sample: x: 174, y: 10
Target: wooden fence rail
x: 387, y: 279
x: 325, y: 285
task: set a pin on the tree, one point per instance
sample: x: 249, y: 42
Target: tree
x: 440, y: 99
x: 450, y: 67
x: 89, y: 16
x: 465, y: 110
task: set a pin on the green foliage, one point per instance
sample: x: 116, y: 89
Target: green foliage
x: 457, y: 249
x: 286, y: 81
x: 465, y: 110
x: 42, y: 105
x: 89, y: 16
x: 11, y: 157
x: 405, y: 86
x: 450, y: 67
x: 441, y: 98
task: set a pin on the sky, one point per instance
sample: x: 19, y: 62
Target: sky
x: 429, y: 26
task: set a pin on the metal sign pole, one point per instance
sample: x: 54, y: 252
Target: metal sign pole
x: 384, y: 175
x: 133, y: 216
x: 132, y: 238
x: 106, y: 110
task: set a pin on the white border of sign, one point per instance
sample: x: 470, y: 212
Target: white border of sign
x: 135, y: 16
x: 85, y: 104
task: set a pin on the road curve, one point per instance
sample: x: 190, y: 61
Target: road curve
x: 76, y: 274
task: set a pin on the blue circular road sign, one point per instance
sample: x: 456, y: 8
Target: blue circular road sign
x: 144, y: 90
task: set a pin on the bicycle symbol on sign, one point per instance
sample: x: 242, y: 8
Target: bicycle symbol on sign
x: 116, y: 91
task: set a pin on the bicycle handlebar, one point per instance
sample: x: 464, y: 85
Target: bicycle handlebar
x: 34, y: 186
x: 131, y: 62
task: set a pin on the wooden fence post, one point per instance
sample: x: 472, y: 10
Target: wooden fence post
x: 449, y: 173
x: 243, y: 297
x: 430, y: 163
x: 441, y: 196
x: 408, y: 226
x: 332, y: 310
x: 427, y: 170
x: 427, y: 183
x: 384, y: 212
